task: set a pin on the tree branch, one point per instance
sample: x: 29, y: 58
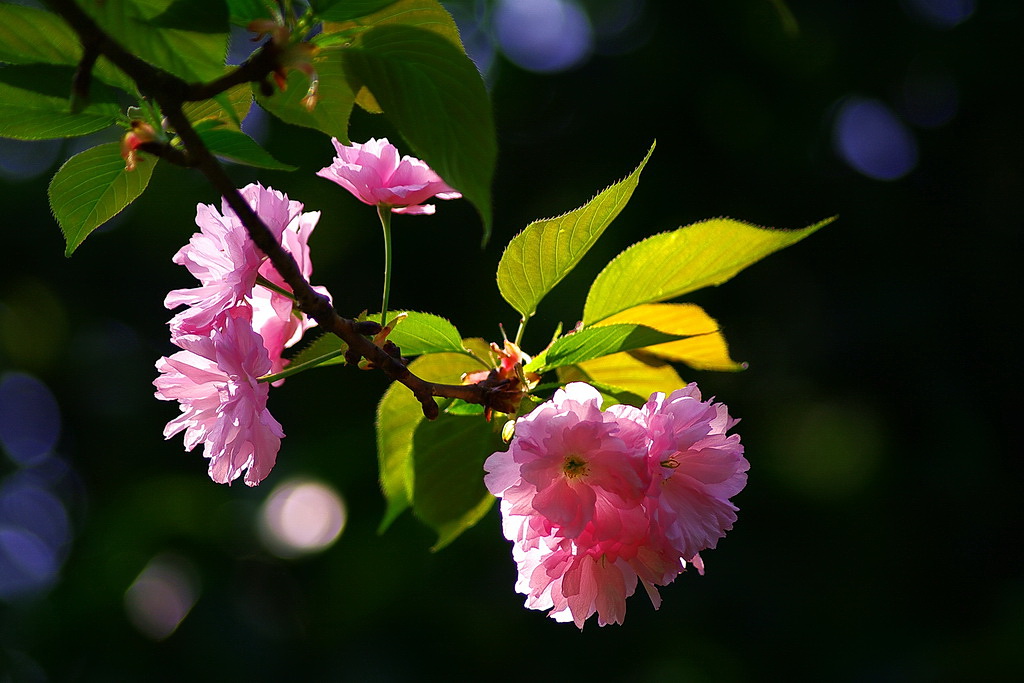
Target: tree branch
x: 171, y: 92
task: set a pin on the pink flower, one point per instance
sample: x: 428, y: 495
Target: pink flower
x: 700, y: 468
x: 214, y: 378
x: 226, y: 262
x: 594, y: 501
x: 373, y: 173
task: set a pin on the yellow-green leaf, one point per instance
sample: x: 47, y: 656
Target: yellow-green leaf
x: 703, y: 349
x: 594, y: 342
x: 624, y: 372
x: 674, y: 263
x: 547, y: 250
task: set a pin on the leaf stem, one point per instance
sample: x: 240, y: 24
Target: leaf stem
x: 519, y: 332
x: 384, y: 212
x: 264, y: 282
x: 296, y: 368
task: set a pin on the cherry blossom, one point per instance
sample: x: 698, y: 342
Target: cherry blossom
x: 595, y: 502
x: 227, y: 264
x: 223, y: 406
x: 373, y: 173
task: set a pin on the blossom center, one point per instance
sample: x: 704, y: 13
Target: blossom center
x: 574, y: 466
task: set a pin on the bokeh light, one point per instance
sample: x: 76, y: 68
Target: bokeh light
x: 26, y: 159
x: 869, y: 137
x: 29, y: 418
x: 301, y: 517
x: 545, y: 36
x: 474, y: 30
x: 940, y: 13
x: 162, y: 596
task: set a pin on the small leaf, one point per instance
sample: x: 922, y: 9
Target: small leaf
x: 624, y: 372
x: 318, y: 348
x: 92, y: 187
x: 34, y: 104
x: 345, y: 10
x: 432, y: 92
x: 703, y: 349
x: 420, y: 333
x: 449, y: 472
x: 334, y: 98
x: 674, y: 263
x: 547, y: 250
x: 595, y: 342
x: 230, y: 107
x: 398, y: 415
x: 236, y: 146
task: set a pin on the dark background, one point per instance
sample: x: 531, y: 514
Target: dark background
x: 879, y: 534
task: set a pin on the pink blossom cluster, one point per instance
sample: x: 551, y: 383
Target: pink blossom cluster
x: 595, y: 501
x: 232, y: 332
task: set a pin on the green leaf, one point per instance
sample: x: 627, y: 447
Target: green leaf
x: 594, y: 342
x: 674, y: 263
x: 236, y: 146
x: 34, y: 36
x: 334, y: 98
x: 345, y: 10
x: 92, y: 187
x: 243, y: 11
x: 34, y: 104
x: 229, y: 107
x: 318, y: 348
x: 449, y: 472
x: 428, y: 15
x: 431, y: 91
x: 547, y: 250
x: 398, y: 415
x: 188, y: 38
x: 420, y: 333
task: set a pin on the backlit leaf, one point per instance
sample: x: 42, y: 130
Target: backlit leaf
x: 624, y: 372
x: 419, y: 333
x: 344, y: 10
x: 448, y: 464
x: 703, y: 349
x: 674, y: 263
x: 595, y: 342
x: 230, y: 108
x: 92, y: 187
x: 547, y: 250
x: 35, y: 105
x: 334, y: 97
x: 236, y: 146
x: 428, y: 15
x: 34, y: 36
x: 398, y: 415
x: 188, y: 38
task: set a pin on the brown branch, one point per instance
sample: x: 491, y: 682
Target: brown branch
x: 171, y: 92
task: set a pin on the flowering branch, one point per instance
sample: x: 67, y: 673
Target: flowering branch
x: 170, y: 92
